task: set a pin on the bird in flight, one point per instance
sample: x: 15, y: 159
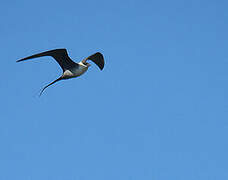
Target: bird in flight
x: 70, y: 68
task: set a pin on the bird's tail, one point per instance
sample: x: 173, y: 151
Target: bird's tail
x: 41, y: 92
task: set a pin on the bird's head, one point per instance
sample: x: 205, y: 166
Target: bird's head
x: 87, y: 64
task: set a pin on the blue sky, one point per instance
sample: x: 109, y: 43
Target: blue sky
x: 158, y: 110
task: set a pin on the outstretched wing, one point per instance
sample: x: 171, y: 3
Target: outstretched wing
x: 60, y: 55
x: 97, y: 58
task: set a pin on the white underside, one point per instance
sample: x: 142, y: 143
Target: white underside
x: 75, y: 72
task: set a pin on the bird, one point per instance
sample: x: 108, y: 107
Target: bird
x: 70, y: 68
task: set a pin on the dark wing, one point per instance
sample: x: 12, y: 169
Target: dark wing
x: 60, y: 55
x: 97, y: 58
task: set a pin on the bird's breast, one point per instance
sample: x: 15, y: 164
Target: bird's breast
x: 75, y: 72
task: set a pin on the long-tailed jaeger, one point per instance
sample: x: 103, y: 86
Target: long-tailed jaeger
x: 70, y: 68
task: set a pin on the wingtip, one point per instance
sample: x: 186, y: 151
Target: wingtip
x: 22, y: 59
x: 101, y: 68
x: 100, y: 65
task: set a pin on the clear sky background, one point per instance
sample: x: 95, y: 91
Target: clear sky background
x: 158, y: 110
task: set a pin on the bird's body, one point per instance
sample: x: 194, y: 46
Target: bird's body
x: 75, y: 71
x: 70, y: 68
